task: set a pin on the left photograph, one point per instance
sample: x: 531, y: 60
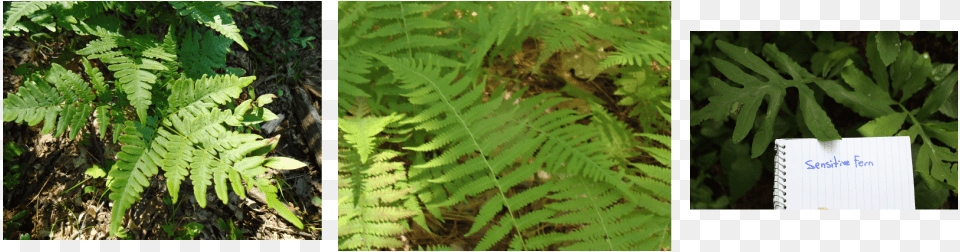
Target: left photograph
x: 160, y: 121
x: 504, y: 126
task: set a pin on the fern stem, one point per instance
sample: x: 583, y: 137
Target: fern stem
x: 473, y: 139
x: 926, y: 139
x: 405, y: 31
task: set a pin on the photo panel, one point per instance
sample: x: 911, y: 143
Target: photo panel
x: 503, y: 125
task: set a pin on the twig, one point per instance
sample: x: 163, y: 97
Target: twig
x: 257, y: 82
x: 291, y: 231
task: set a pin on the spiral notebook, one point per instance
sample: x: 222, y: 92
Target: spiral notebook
x: 852, y: 173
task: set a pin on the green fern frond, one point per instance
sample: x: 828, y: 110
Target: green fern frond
x: 208, y: 91
x: 103, y: 94
x: 604, y: 225
x: 128, y: 58
x: 371, y: 187
x: 202, y: 55
x: 134, y: 169
x: 469, y: 131
x: 360, y: 132
x: 638, y: 52
x: 20, y: 9
x: 137, y: 82
x: 68, y: 99
x: 213, y: 15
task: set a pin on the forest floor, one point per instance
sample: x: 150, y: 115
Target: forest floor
x: 56, y: 199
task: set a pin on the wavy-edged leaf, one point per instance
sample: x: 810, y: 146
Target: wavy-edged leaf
x: 883, y: 126
x: 754, y: 91
x: 888, y: 44
x: 866, y: 98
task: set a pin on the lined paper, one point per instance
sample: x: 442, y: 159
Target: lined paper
x: 852, y: 173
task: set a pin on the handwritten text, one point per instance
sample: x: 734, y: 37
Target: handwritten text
x: 836, y: 163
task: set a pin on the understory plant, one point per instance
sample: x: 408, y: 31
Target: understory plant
x: 801, y: 88
x: 167, y: 95
x: 430, y: 126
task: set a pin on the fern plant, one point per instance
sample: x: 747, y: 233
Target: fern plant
x: 887, y: 98
x: 179, y: 125
x: 425, y: 131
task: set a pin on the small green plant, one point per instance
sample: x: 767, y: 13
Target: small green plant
x: 10, y: 154
x: 188, y: 232
x: 14, y: 223
x: 233, y: 233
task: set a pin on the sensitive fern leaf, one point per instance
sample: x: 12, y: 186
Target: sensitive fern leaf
x: 69, y: 100
x: 755, y: 90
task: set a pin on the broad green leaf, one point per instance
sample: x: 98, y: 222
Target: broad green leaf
x: 743, y: 171
x: 283, y: 163
x: 947, y: 137
x: 835, y: 61
x: 751, y: 95
x: 929, y: 199
x: 884, y: 126
x: 909, y: 72
x: 949, y: 107
x: 925, y: 161
x: 95, y: 171
x: 785, y: 64
x: 743, y: 176
x: 939, y: 97
x: 265, y: 99
x: 89, y: 189
x: 940, y: 72
x: 816, y: 119
x: 866, y: 98
x: 888, y: 44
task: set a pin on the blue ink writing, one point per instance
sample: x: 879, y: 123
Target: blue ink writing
x: 836, y: 163
x: 860, y: 163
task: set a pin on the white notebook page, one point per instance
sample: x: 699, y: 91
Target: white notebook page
x: 852, y: 173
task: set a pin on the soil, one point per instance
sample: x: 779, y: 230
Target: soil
x: 53, y: 188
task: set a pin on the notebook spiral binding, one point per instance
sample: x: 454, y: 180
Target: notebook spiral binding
x: 780, y: 177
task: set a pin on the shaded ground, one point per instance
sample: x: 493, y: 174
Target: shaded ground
x: 58, y: 199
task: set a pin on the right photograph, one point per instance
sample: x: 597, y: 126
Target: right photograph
x: 826, y: 120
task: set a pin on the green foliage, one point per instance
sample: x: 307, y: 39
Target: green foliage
x: 14, y: 223
x: 233, y: 233
x: 204, y: 54
x: 10, y: 154
x: 213, y: 15
x: 424, y: 131
x: 889, y: 98
x: 373, y: 196
x: 190, y: 230
x: 179, y: 125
